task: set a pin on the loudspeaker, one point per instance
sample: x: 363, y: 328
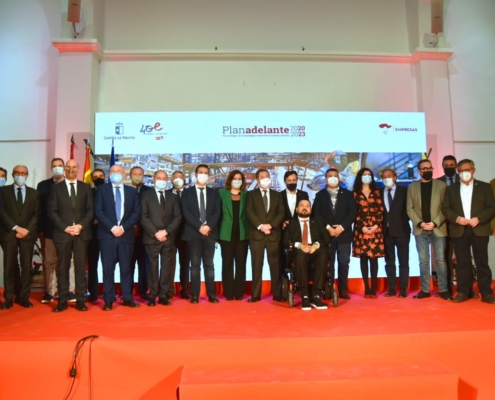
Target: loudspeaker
x: 74, y: 11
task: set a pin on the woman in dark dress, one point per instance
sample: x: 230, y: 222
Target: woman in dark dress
x: 368, y: 242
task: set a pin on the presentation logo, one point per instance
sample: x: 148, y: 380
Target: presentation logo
x: 151, y: 129
x: 119, y: 128
x: 385, y: 127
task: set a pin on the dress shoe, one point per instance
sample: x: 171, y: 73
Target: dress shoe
x: 80, y: 306
x: 445, y: 295
x: 107, y: 306
x: 151, y: 303
x: 61, y: 307
x: 185, y: 295
x: 164, y: 302
x: 421, y: 295
x: 213, y: 299
x: 72, y: 297
x: 194, y: 300
x: 130, y: 303
x: 488, y: 299
x: 26, y: 304
x: 473, y: 295
x: 229, y: 298
x: 344, y: 295
x: 279, y: 299
x: 8, y: 304
x: 238, y: 298
x: 47, y: 298
x: 403, y: 294
x: 391, y: 293
x: 461, y: 297
x: 254, y: 299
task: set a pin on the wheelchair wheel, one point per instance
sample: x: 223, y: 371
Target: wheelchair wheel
x: 285, y: 286
x: 335, y: 298
x: 328, y: 292
x: 290, y: 298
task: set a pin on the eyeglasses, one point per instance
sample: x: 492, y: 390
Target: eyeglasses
x: 426, y: 169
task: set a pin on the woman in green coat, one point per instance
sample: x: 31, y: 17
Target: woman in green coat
x: 233, y: 235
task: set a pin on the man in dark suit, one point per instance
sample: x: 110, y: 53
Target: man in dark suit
x: 180, y: 245
x: 397, y: 233
x: 469, y: 207
x: 45, y: 231
x: 449, y: 165
x: 160, y: 220
x: 201, y: 208
x: 139, y: 254
x: 309, y: 239
x: 19, y: 214
x: 117, y: 209
x: 70, y: 208
x: 265, y: 212
x: 291, y: 196
x: 336, y: 206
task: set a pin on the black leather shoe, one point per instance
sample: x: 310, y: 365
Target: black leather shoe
x: 194, y: 300
x: 279, y: 299
x: 164, y: 302
x: 80, y: 306
x: 238, y: 298
x: 344, y: 295
x: 130, y: 303
x: 403, y: 294
x: 8, y: 304
x: 253, y: 299
x: 107, y: 306
x: 151, y: 303
x: 391, y: 294
x: 488, y: 299
x: 26, y: 304
x: 229, y: 298
x: 421, y: 295
x: 184, y: 295
x: 461, y: 297
x: 213, y: 299
x: 61, y: 307
x: 445, y: 295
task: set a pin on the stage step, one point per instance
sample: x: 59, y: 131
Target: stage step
x: 418, y: 378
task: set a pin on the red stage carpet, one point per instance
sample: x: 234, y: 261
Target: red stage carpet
x: 387, y: 348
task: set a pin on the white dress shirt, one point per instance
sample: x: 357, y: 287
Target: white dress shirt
x: 385, y: 195
x: 291, y: 200
x: 158, y: 194
x: 466, y: 198
x: 198, y: 193
x: 268, y: 198
x: 67, y: 183
x: 298, y: 245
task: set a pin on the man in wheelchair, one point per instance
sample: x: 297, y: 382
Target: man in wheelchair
x: 307, y: 240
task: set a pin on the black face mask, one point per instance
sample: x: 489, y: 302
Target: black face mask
x: 291, y: 186
x: 427, y: 175
x: 449, y: 171
x: 99, y: 181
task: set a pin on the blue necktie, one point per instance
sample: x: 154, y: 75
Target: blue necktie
x: 202, y: 208
x: 118, y: 203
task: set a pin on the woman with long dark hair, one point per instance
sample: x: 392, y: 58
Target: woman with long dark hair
x: 368, y: 242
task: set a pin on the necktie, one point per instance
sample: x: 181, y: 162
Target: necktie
x: 451, y: 180
x: 265, y: 200
x: 305, y: 232
x: 73, y: 195
x: 202, y: 208
x: 389, y: 196
x: 19, y: 198
x: 180, y: 194
x: 162, y: 199
x: 118, y: 203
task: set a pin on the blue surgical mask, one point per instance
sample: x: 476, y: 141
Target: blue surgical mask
x: 58, y: 171
x: 19, y: 180
x: 366, y: 179
x: 160, y: 185
x: 2, y: 182
x: 115, y: 178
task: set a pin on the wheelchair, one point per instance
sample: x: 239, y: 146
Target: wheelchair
x: 290, y: 285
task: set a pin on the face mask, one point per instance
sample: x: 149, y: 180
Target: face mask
x: 291, y: 186
x: 115, y: 178
x: 2, y: 182
x: 449, y: 171
x: 137, y: 180
x: 333, y: 181
x: 58, y: 171
x: 236, y: 184
x: 388, y: 182
x: 99, y: 181
x: 19, y: 180
x: 202, y: 178
x: 160, y: 185
x: 427, y: 175
x: 366, y: 179
x: 265, y: 183
x: 178, y: 182
x: 465, y: 176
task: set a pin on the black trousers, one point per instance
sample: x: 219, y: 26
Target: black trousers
x: 184, y: 265
x: 401, y: 244
x: 302, y: 262
x: 159, y: 277
x: 202, y: 249
x: 139, y: 257
x: 79, y: 247
x: 115, y: 251
x: 12, y: 285
x: 479, y: 245
x: 93, y: 258
x: 341, y: 252
x: 257, y: 259
x: 236, y: 251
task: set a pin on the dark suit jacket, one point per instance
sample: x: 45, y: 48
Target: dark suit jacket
x: 300, y: 195
x: 190, y: 212
x: 443, y: 178
x: 396, y: 221
x: 44, y: 223
x: 153, y: 219
x: 227, y: 220
x: 345, y: 212
x: 105, y: 212
x: 142, y: 190
x: 317, y: 229
x: 482, y: 206
x: 10, y: 215
x: 255, y: 211
x: 62, y: 214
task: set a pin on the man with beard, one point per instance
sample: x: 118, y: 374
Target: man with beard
x: 309, y: 240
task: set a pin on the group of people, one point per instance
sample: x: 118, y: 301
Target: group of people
x: 148, y: 226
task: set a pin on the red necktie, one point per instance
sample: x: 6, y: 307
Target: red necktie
x: 305, y: 232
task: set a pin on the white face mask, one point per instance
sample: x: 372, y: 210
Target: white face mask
x: 202, y: 179
x: 465, y: 176
x: 160, y: 185
x: 265, y: 183
x: 366, y: 179
x: 58, y: 171
x: 388, y: 182
x: 236, y: 184
x: 333, y: 181
x: 178, y: 183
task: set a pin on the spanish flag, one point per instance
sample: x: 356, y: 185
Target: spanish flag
x: 87, y: 165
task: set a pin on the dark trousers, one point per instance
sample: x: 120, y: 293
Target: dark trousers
x: 79, y: 247
x: 463, y: 246
x: 12, y: 285
x: 234, y: 251
x: 257, y: 259
x: 202, y: 249
x: 93, y: 258
x: 341, y: 251
x: 183, y: 251
x: 159, y: 278
x: 115, y: 251
x: 302, y: 262
x: 449, y: 251
x: 139, y: 256
x: 402, y: 245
